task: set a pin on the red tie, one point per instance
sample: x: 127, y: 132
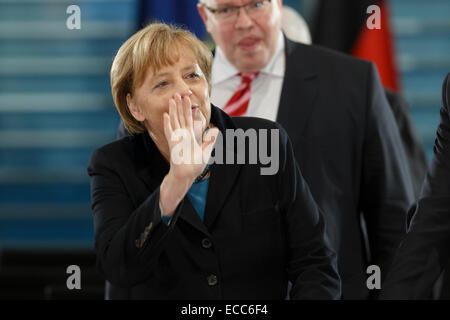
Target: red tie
x: 238, y: 104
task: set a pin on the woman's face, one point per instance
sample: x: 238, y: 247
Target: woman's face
x: 151, y: 100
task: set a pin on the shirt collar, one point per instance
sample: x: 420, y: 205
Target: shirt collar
x: 275, y: 66
x: 223, y: 69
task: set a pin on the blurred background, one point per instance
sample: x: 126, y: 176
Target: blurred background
x: 56, y: 108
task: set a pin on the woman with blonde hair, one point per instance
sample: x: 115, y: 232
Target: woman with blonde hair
x: 171, y: 229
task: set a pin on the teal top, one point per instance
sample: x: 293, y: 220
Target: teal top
x: 197, y: 195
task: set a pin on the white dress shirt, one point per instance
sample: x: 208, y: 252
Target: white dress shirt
x: 265, y: 89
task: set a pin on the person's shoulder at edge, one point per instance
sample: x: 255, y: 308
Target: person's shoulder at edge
x: 116, y: 151
x: 325, y: 55
x: 256, y: 123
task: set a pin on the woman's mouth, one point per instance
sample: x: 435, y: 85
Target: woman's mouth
x: 194, y: 109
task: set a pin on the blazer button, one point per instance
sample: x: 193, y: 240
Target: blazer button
x: 206, y: 243
x: 212, y: 280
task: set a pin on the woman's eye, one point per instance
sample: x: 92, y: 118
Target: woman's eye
x: 257, y: 4
x: 193, y: 75
x: 161, y: 84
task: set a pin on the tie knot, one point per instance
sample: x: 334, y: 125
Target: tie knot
x: 248, y: 77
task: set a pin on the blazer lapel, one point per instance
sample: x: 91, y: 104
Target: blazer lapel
x: 223, y: 176
x: 191, y: 216
x: 221, y: 182
x: 299, y: 91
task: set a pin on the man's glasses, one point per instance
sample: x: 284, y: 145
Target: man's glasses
x: 253, y: 9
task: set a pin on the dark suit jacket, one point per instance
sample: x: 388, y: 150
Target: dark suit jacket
x: 425, y: 250
x: 264, y: 230
x: 348, y: 146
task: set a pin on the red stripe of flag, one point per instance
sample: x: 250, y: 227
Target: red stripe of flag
x: 377, y: 45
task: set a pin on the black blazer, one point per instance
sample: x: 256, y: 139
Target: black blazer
x: 348, y: 146
x: 425, y: 250
x: 259, y: 231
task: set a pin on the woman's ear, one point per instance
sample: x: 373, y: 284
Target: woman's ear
x: 135, y: 110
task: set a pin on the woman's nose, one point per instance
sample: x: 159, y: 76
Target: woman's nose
x: 187, y: 92
x: 184, y: 89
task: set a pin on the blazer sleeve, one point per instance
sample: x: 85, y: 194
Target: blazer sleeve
x: 312, y: 265
x: 128, y: 240
x: 386, y: 187
x: 425, y: 251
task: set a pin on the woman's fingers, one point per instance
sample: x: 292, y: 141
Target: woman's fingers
x: 173, y: 113
x: 210, y: 136
x: 197, y: 129
x: 180, y: 110
x: 187, y: 106
x: 167, y: 127
x: 209, y: 141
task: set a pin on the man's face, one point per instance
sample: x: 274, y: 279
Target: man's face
x: 248, y: 42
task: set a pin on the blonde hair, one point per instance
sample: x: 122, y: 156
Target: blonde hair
x: 155, y: 46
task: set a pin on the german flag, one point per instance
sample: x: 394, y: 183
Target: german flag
x: 351, y: 26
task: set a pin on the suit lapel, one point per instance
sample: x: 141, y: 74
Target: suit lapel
x: 191, y: 216
x: 221, y: 183
x: 299, y: 91
x: 223, y: 176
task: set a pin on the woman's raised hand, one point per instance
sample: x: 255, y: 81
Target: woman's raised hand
x: 190, y: 150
